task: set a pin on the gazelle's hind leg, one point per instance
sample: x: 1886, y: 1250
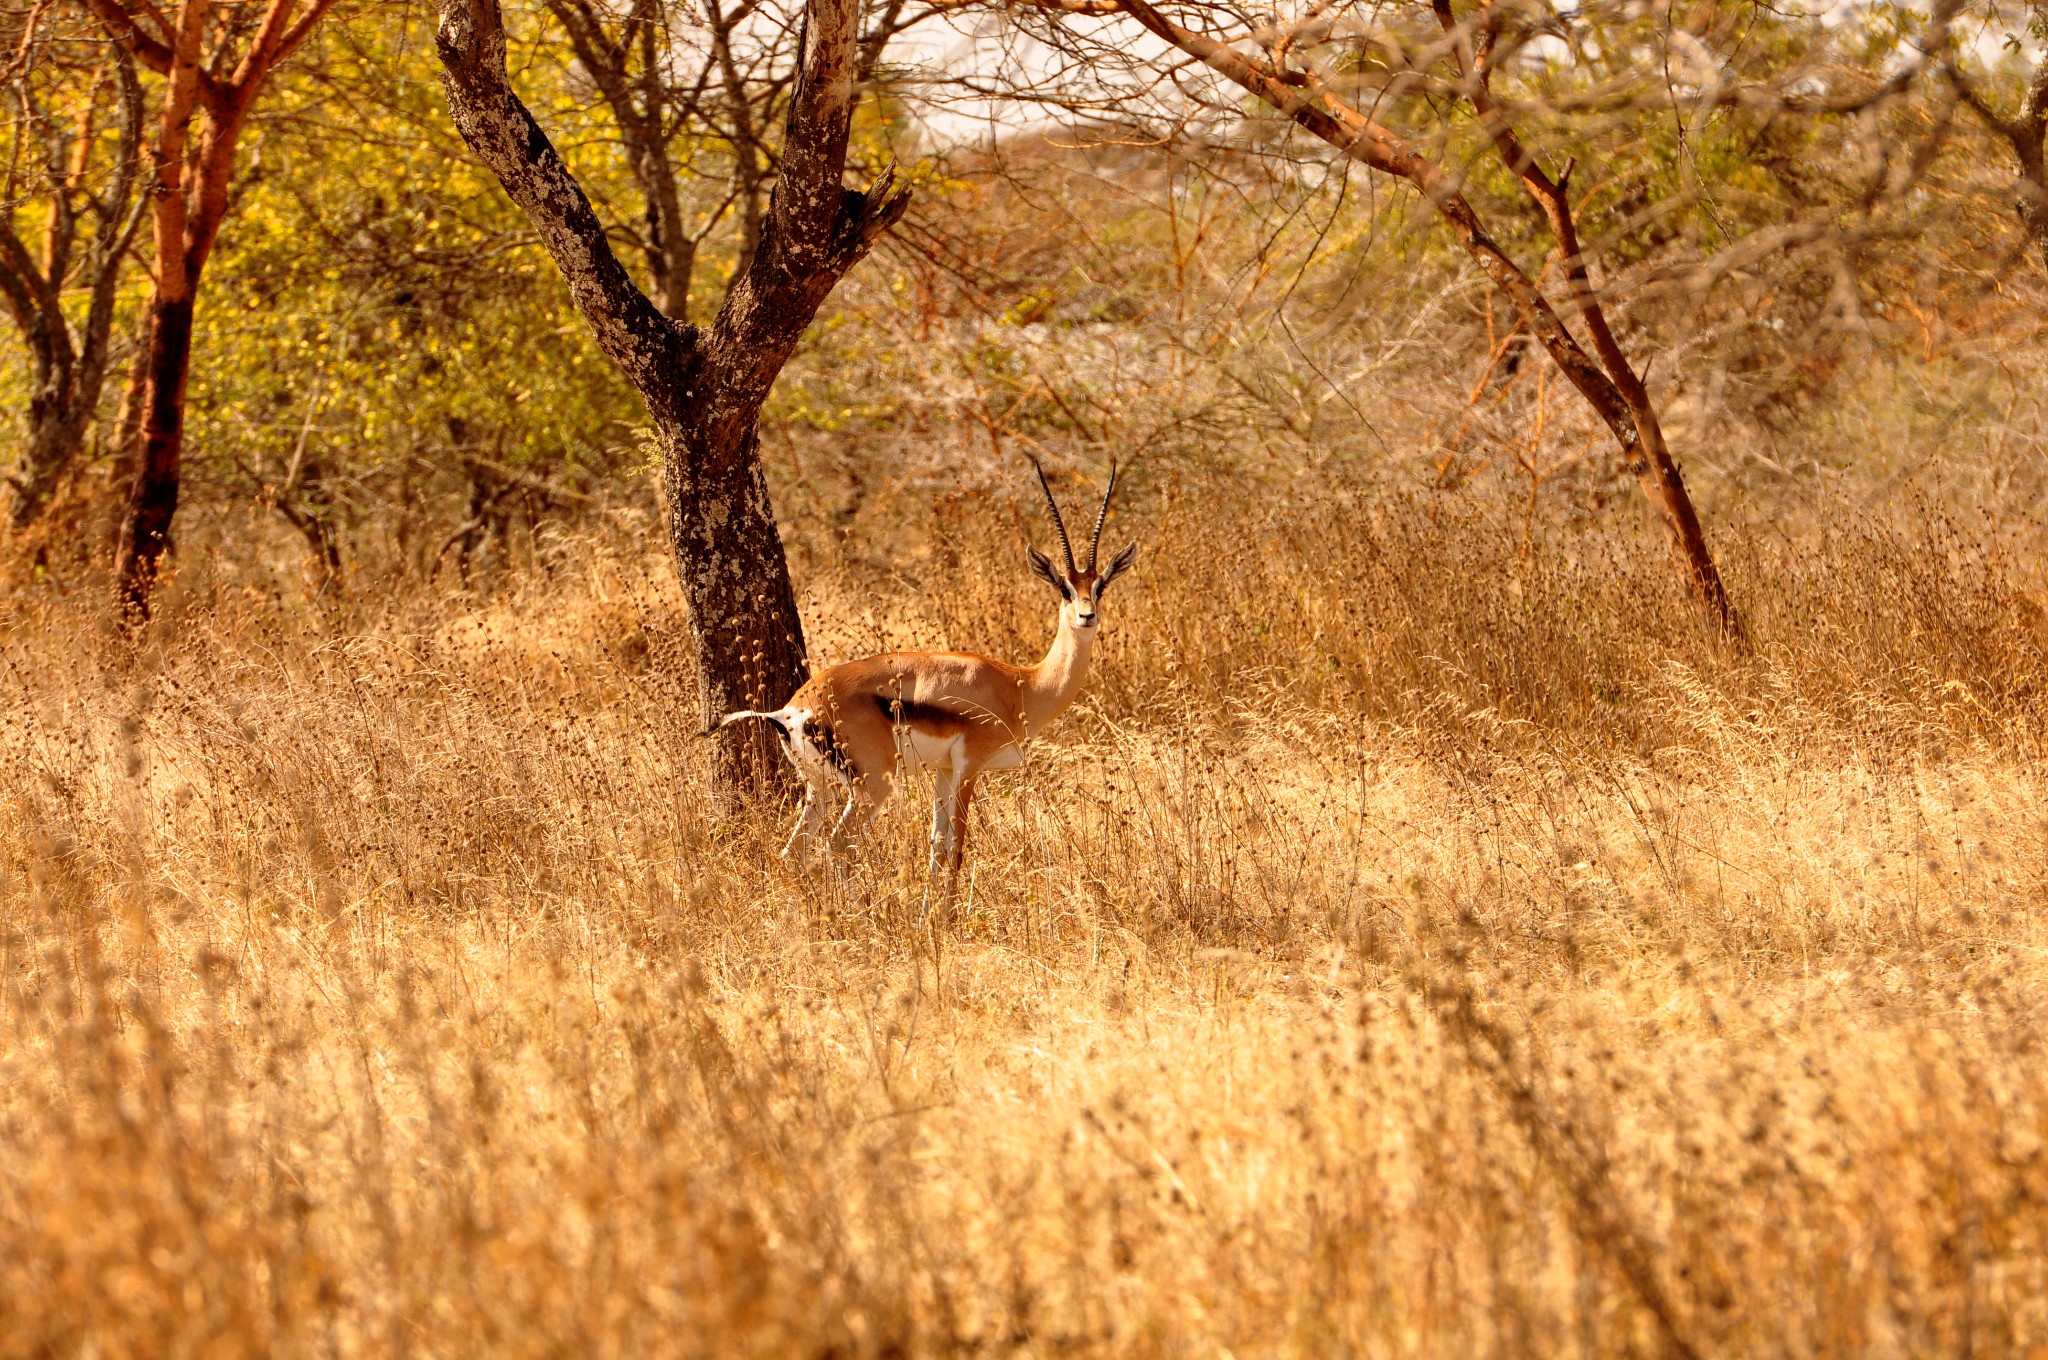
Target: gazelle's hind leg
x: 810, y: 821
x: 945, y: 794
x: 868, y: 794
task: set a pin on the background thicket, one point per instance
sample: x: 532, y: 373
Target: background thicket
x: 1426, y: 936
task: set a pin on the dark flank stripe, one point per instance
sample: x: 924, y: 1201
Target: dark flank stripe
x: 901, y: 711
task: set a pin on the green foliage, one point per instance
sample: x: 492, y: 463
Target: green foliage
x: 384, y: 305
x: 383, y: 341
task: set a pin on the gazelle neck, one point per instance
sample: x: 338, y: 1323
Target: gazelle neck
x: 1054, y: 681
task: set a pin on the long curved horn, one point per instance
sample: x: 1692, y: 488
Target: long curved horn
x: 1057, y: 523
x: 1100, y: 515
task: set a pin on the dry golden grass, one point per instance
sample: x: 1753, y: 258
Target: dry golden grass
x: 1415, y: 944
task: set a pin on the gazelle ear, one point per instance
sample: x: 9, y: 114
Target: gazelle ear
x: 1118, y: 565
x: 1042, y: 565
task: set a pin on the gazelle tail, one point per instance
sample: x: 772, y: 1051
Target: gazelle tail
x: 780, y: 717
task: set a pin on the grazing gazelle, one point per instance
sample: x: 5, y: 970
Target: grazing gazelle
x: 852, y: 729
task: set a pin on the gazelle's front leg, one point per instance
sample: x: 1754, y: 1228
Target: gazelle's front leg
x: 945, y: 793
x: 962, y: 801
x: 952, y: 793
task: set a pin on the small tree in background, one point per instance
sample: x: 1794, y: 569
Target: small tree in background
x: 72, y: 174
x: 215, y: 58
x: 1415, y: 92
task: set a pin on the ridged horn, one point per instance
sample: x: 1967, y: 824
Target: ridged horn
x: 1057, y: 523
x: 1101, y: 515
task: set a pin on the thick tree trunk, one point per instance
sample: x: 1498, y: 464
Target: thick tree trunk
x: 747, y: 638
x: 125, y: 440
x: 703, y: 390
x: 147, y: 533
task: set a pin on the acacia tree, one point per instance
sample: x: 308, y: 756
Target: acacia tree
x: 71, y: 182
x: 215, y: 57
x: 703, y: 388
x: 1410, y: 91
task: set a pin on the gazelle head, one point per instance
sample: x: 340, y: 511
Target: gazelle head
x: 1080, y: 588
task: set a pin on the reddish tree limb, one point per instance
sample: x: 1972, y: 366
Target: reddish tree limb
x: 1627, y: 413
x: 188, y: 199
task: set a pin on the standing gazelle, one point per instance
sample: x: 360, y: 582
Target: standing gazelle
x: 855, y: 727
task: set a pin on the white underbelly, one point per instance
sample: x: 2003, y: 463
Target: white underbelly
x: 917, y: 751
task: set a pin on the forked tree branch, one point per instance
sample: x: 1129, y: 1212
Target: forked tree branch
x: 470, y: 38
x: 815, y: 229
x: 1609, y: 386
x: 814, y: 232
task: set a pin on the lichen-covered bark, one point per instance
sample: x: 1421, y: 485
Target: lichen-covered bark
x: 703, y: 390
x: 747, y: 639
